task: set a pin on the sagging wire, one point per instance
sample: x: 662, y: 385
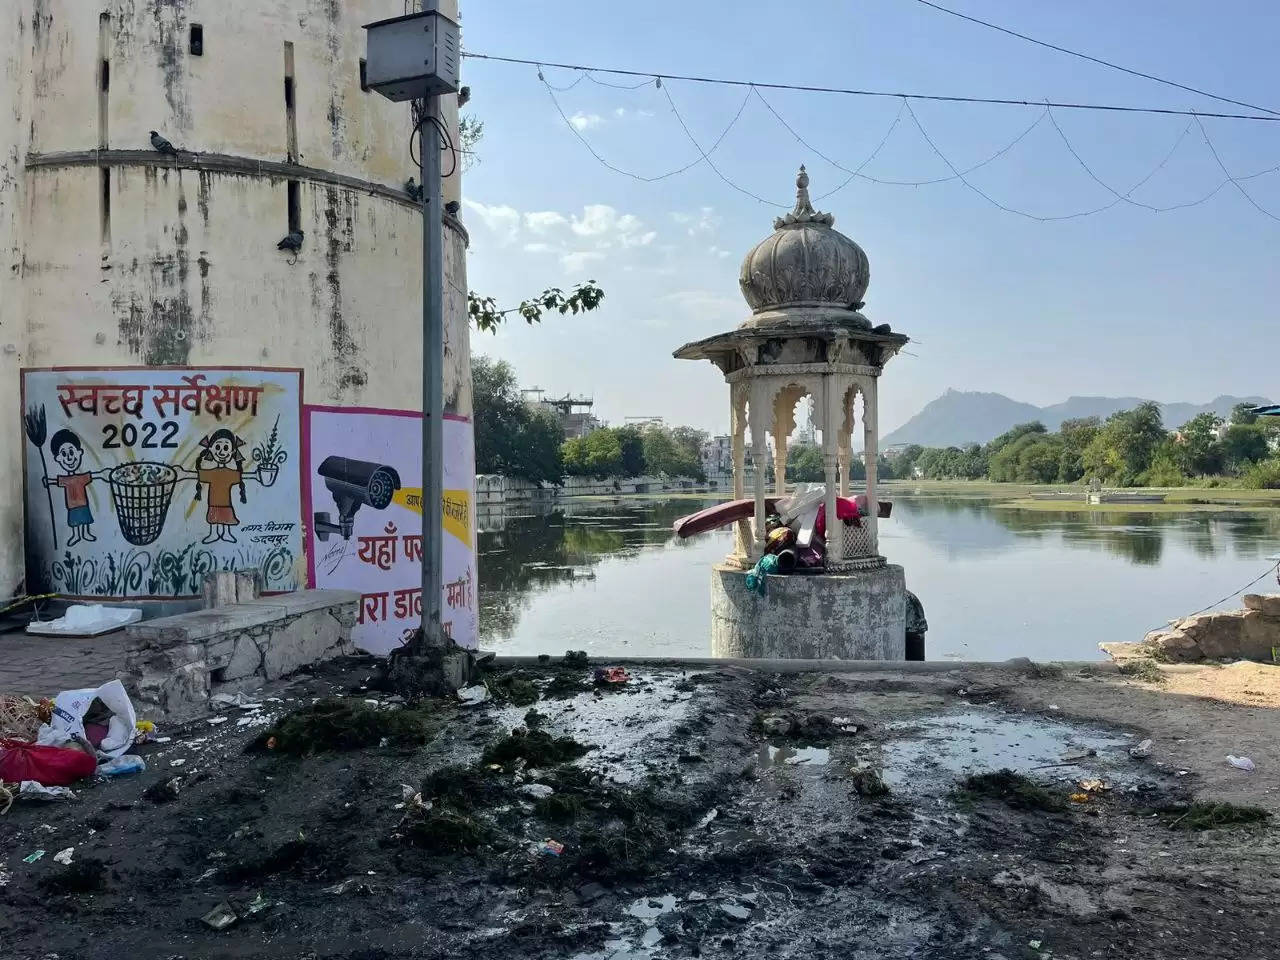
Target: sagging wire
x: 420, y: 118
x: 1268, y: 572
x: 1226, y: 173
x: 628, y: 173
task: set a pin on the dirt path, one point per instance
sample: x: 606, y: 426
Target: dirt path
x: 734, y: 814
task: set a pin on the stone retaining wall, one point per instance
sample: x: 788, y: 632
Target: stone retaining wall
x: 174, y: 664
x: 1249, y: 634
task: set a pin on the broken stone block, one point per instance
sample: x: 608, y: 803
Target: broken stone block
x: 1268, y: 604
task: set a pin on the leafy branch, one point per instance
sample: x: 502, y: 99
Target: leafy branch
x: 486, y: 316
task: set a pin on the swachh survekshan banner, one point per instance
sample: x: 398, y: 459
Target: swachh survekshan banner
x: 363, y: 511
x: 140, y: 481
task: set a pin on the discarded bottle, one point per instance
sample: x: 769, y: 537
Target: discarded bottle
x: 129, y: 763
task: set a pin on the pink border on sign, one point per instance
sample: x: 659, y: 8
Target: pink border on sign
x: 307, y: 515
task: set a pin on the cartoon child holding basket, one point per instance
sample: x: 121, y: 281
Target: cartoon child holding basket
x: 68, y: 452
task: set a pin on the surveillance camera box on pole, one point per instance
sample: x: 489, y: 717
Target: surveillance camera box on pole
x: 415, y: 56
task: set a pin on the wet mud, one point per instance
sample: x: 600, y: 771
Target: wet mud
x: 716, y: 814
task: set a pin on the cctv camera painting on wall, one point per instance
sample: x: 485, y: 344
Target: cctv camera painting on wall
x: 141, y: 481
x: 363, y: 506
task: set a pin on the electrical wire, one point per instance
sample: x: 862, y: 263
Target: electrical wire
x: 618, y: 86
x: 858, y: 170
x: 898, y: 183
x: 1097, y: 60
x: 629, y: 173
x: 711, y: 163
x: 1268, y: 572
x: 657, y: 75
x: 421, y: 117
x: 1226, y: 173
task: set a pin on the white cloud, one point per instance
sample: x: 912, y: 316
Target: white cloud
x: 703, y: 221
x: 502, y: 221
x: 575, y: 260
x: 718, y: 252
x: 543, y: 221
x: 585, y: 121
x: 539, y: 248
x: 609, y: 228
x: 620, y: 112
x: 597, y: 219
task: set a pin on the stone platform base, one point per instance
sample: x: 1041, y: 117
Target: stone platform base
x: 859, y: 615
x: 1249, y: 634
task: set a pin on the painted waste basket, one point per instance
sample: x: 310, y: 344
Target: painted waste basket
x: 141, y: 493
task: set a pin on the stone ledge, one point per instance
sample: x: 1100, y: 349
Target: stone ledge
x: 235, y: 617
x: 1249, y: 634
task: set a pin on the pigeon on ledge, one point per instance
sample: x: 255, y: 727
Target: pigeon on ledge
x: 292, y: 241
x: 162, y: 145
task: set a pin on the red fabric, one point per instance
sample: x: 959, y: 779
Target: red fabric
x: 846, y: 509
x: 51, y: 766
x: 95, y: 733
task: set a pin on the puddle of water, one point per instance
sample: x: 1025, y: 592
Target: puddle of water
x: 650, y: 908
x: 771, y: 756
x: 932, y: 752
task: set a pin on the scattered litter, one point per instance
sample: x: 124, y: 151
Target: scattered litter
x: 1054, y: 706
x: 33, y: 857
x: 163, y: 739
x: 549, y: 848
x: 777, y: 726
x: 845, y: 724
x: 1094, y: 786
x: 178, y: 762
x: 31, y: 790
x: 239, y: 700
x: 86, y: 620
x: 609, y: 676
x: 220, y: 917
x: 1241, y: 763
x: 64, y: 856
x: 258, y: 904
x: 107, y: 706
x: 735, y: 911
x: 353, y: 884
x: 1079, y: 798
x: 164, y: 791
x: 707, y: 818
x: 473, y: 695
x: 1034, y: 944
x: 54, y: 766
x: 407, y: 791
x: 868, y: 782
x: 539, y: 791
x: 1141, y: 751
x: 129, y: 763
x: 214, y: 721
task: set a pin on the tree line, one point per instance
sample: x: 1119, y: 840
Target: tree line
x: 1130, y: 448
x: 518, y: 439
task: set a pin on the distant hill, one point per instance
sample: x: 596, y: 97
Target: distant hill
x: 960, y: 417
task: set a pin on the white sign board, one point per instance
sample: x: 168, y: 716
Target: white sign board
x: 140, y: 481
x: 364, y: 519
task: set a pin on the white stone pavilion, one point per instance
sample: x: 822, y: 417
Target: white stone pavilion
x: 806, y: 337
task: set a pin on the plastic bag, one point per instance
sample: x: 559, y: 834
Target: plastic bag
x: 51, y: 766
x: 70, y: 707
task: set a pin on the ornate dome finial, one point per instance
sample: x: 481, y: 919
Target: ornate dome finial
x: 803, y: 212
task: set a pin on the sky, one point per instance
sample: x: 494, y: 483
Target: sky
x: 1173, y: 305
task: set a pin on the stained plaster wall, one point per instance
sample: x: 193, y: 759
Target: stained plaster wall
x: 188, y: 272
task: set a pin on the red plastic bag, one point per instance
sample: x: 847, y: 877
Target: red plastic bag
x: 51, y: 766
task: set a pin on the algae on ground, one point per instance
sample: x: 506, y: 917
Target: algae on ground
x: 537, y: 748
x: 338, y: 723
x: 1213, y: 816
x: 1016, y: 790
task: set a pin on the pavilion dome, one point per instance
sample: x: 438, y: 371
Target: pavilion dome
x: 805, y: 263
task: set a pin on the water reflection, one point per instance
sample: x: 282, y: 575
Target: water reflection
x: 996, y: 580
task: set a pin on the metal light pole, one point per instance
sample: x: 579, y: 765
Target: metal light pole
x: 416, y: 57
x: 432, y: 376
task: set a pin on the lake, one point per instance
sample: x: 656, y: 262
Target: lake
x: 996, y: 581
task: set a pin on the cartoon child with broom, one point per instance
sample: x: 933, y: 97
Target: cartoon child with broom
x: 68, y: 453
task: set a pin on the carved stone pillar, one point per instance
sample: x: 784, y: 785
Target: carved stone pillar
x: 831, y: 456
x: 738, y: 441
x: 761, y: 423
x: 871, y: 446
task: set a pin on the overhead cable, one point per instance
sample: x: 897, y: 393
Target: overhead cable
x: 1097, y: 60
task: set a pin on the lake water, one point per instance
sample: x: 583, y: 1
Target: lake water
x: 996, y: 581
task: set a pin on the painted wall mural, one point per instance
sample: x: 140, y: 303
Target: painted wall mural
x: 364, y: 516
x: 139, y: 481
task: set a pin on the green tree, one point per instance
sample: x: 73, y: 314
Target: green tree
x: 598, y: 454
x: 632, y: 444
x: 1125, y: 446
x: 583, y: 298
x: 1242, y: 413
x: 1013, y: 435
x: 1076, y: 435
x: 511, y: 438
x: 1198, y: 449
x: 1243, y: 445
x: 805, y: 463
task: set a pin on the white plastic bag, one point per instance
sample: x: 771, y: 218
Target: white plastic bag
x: 67, y: 722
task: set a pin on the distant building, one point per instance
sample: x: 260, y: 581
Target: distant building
x: 574, y: 413
x: 717, y: 456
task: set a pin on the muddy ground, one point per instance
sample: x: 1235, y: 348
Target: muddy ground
x: 720, y: 813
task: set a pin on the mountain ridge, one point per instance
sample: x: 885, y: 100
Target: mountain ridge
x: 958, y: 417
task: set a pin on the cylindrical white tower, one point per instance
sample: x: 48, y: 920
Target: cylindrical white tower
x: 118, y: 255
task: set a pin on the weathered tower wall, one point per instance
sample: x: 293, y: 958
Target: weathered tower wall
x: 114, y: 255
